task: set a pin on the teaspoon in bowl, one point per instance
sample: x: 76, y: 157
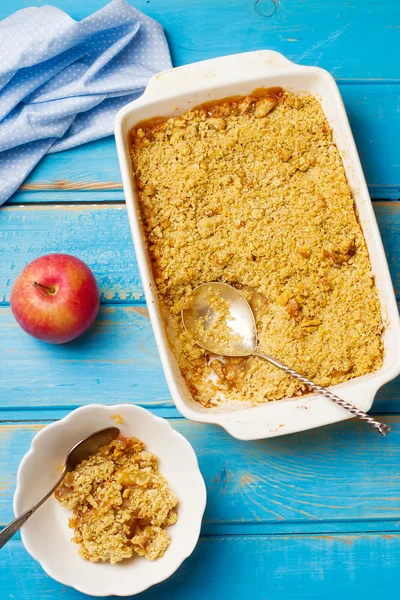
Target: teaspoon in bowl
x: 81, y: 451
x: 239, y: 336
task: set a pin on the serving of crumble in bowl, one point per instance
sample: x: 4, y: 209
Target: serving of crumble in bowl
x: 123, y: 520
x: 243, y: 169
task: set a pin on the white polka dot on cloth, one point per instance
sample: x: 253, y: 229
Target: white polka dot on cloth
x: 62, y: 81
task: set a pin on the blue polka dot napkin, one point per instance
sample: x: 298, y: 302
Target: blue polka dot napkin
x: 63, y: 81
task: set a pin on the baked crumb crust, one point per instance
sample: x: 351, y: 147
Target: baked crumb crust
x: 120, y: 502
x: 252, y: 192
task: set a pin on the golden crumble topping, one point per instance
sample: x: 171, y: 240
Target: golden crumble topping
x: 252, y: 191
x: 120, y: 503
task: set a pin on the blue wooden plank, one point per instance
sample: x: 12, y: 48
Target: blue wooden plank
x: 100, y: 236
x: 113, y: 362
x: 48, y: 414
x: 375, y: 120
x: 44, y: 193
x: 357, y: 39
x: 375, y: 127
x: 329, y: 479
x: 91, y: 167
x: 359, y: 567
x: 389, y: 229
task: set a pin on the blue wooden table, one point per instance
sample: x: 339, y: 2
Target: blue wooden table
x: 314, y: 515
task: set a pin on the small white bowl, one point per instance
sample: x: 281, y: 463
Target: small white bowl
x: 46, y: 535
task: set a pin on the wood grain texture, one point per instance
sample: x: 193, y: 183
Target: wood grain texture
x: 374, y: 118
x: 326, y: 478
x: 351, y: 39
x: 101, y: 237
x: 113, y: 362
x: 258, y: 567
x: 116, y: 360
x: 322, y: 484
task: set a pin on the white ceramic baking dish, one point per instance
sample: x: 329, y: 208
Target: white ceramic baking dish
x: 175, y: 91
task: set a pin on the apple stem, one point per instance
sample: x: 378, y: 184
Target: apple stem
x: 45, y: 288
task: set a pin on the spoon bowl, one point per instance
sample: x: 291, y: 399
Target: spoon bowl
x: 239, y: 320
x: 221, y: 321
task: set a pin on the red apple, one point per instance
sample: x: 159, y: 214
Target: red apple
x: 55, y: 298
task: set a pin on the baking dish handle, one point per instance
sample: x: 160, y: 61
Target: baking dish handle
x: 293, y: 415
x: 204, y: 74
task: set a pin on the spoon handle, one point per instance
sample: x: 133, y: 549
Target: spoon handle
x: 381, y: 427
x: 12, y: 528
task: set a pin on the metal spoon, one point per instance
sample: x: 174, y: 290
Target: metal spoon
x: 241, y: 324
x: 81, y: 451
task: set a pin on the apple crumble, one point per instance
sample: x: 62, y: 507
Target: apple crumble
x: 252, y: 191
x: 120, y: 502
